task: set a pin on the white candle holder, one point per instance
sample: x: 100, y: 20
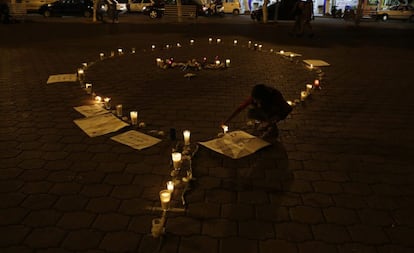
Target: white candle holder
x: 134, y: 118
x: 176, y: 158
x: 235, y: 42
x: 88, y: 88
x: 308, y: 88
x: 249, y: 44
x: 210, y: 40
x: 133, y: 50
x: 120, y: 51
x: 260, y: 47
x: 225, y: 129
x: 170, y: 186
x: 303, y: 95
x: 119, y: 110
x: 186, y: 134
x: 218, y: 41
x: 227, y: 63
x: 152, y: 47
x: 101, y: 56
x: 165, y: 198
x: 107, y: 103
x: 191, y: 42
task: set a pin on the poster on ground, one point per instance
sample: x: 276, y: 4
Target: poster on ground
x: 62, y: 78
x: 100, y: 124
x: 136, y: 140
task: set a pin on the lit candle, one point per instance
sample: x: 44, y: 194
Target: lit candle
x: 158, y: 60
x: 311, y: 66
x: 119, y: 110
x: 225, y: 128
x: 191, y: 42
x: 303, y: 95
x: 176, y: 158
x: 271, y: 50
x: 227, y: 63
x: 218, y: 41
x: 167, y: 46
x: 260, y: 47
x: 255, y: 46
x: 186, y: 135
x: 81, y: 74
x: 235, y: 42
x: 291, y: 55
x: 282, y: 52
x: 88, y: 88
x: 120, y: 52
x: 165, y: 197
x: 152, y: 47
x: 134, y: 117
x: 170, y: 186
x: 290, y: 103
x: 316, y: 83
x: 210, y: 40
x: 178, y: 44
x: 217, y: 62
x: 249, y: 44
x: 98, y: 99
x: 85, y: 65
x: 107, y: 103
x: 101, y: 56
x: 308, y: 88
x: 133, y: 50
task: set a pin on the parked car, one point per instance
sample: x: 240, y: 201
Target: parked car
x: 232, y: 6
x: 34, y: 5
x: 139, y: 5
x: 403, y: 12
x: 156, y: 10
x: 68, y: 8
x: 283, y: 8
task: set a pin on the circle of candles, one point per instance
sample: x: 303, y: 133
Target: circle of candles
x: 134, y: 117
x: 176, y: 158
x: 170, y: 186
x: 119, y: 110
x: 165, y: 198
x: 186, y: 134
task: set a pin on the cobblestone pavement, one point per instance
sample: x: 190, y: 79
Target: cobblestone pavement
x: 339, y: 179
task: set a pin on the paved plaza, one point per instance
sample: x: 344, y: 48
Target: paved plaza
x: 338, y: 179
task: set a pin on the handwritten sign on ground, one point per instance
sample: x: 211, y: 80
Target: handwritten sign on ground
x: 136, y: 140
x: 289, y: 54
x: 100, y: 124
x: 62, y: 78
x: 91, y: 110
x: 236, y: 144
x: 316, y: 63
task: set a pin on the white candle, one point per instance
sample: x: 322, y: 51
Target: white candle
x: 158, y: 60
x: 308, y: 88
x: 186, y: 135
x: 227, y: 63
x: 191, y: 42
x: 133, y: 50
x: 178, y: 45
x: 290, y: 103
x: 119, y: 110
x: 101, y: 56
x: 170, y: 186
x: 152, y: 47
x: 282, y: 52
x: 218, y: 41
x: 176, y: 158
x: 165, y: 197
x: 217, y: 62
x: 85, y: 65
x: 107, y: 103
x: 225, y: 128
x: 210, y: 40
x: 98, y: 99
x: 88, y: 88
x: 311, y: 66
x: 235, y: 42
x: 112, y: 53
x: 291, y: 55
x: 134, y: 117
x: 303, y: 95
x: 81, y: 73
x: 120, y: 52
x: 167, y: 46
x: 260, y: 47
x: 249, y: 44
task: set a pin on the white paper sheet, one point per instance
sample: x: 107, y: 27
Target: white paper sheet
x: 289, y: 53
x: 62, y: 78
x: 100, y: 124
x: 136, y: 140
x: 91, y: 110
x: 316, y: 63
x: 236, y: 144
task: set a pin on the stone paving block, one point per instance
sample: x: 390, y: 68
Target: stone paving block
x: 330, y: 233
x: 37, y: 187
x: 355, y: 247
x: 48, y: 237
x: 253, y: 197
x: 401, y: 235
x: 17, y: 249
x: 316, y: 246
x: 10, y: 185
x: 204, y: 210
x: 96, y: 190
x: 111, y: 222
x: 260, y: 230
x: 183, y: 226
x: 141, y: 224
x: 235, y: 244
x: 135, y: 206
x: 39, y: 201
x: 103, y: 205
x: 65, y: 188
x: 71, y: 203
x: 83, y: 239
x: 341, y: 216
x: 220, y: 196
x: 9, y: 173
x: 127, y: 191
x: 368, y: 234
x: 375, y: 217
x: 269, y: 246
x: 120, y: 241
x: 12, y: 235
x: 350, y: 201
x: 306, y: 214
x: 357, y: 188
x: 201, y: 244
x: 11, y: 199
x: 219, y: 228
x: 327, y: 187
x: 394, y: 248
x: 292, y: 231
x: 76, y: 220
x: 42, y: 218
